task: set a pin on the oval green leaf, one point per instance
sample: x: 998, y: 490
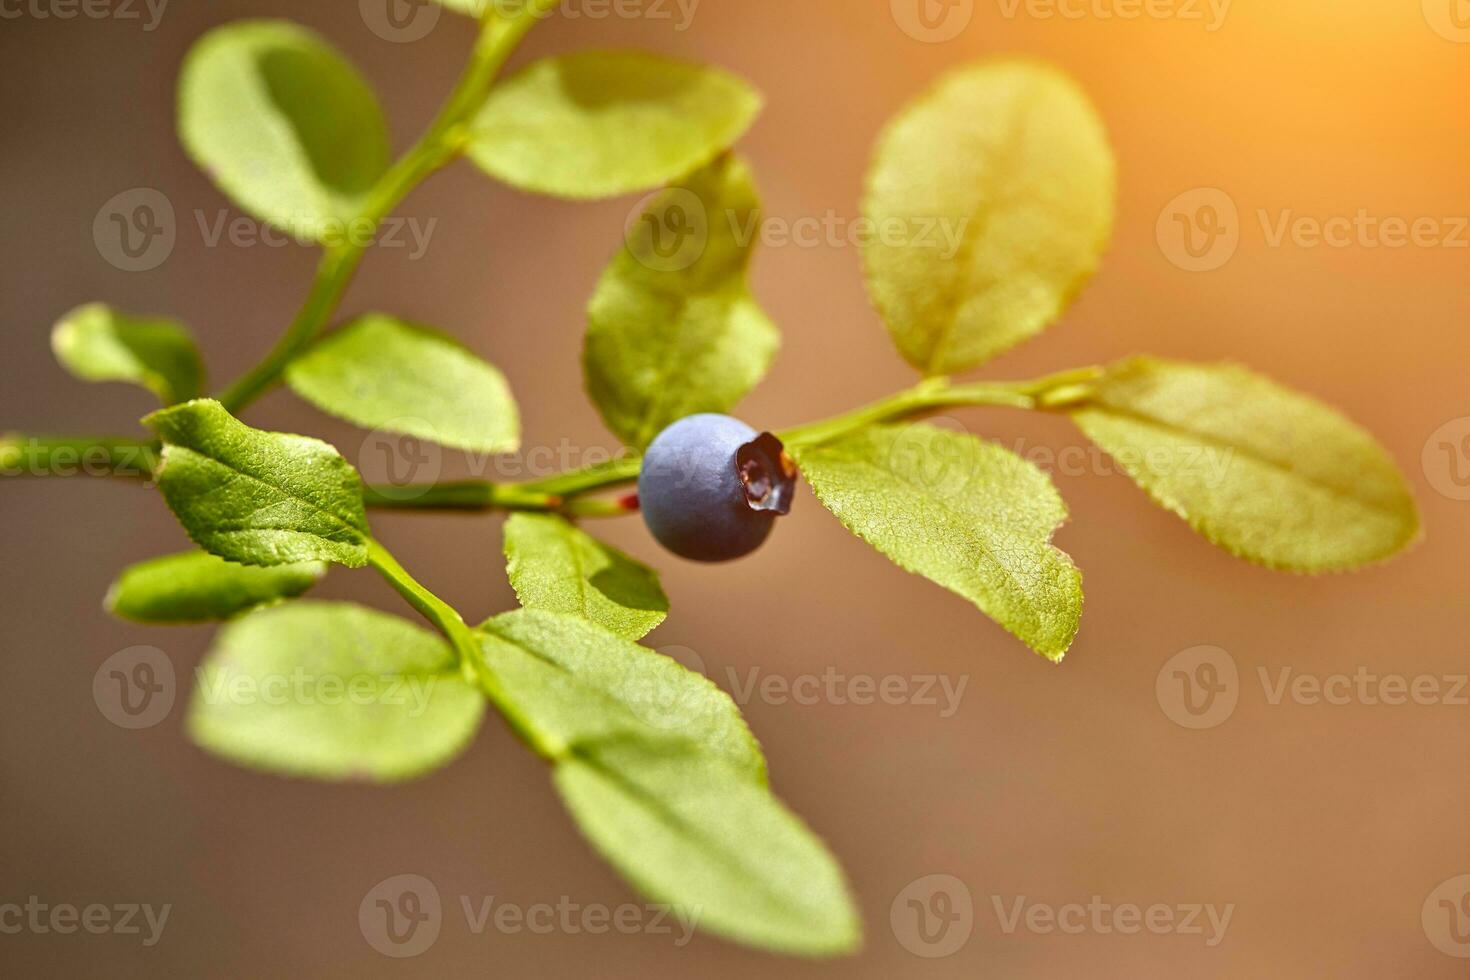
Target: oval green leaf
x: 992, y: 200
x: 603, y: 123
x: 1264, y: 472
x: 333, y: 691
x: 283, y: 125
x: 964, y: 513
x: 382, y: 373
x: 672, y: 329
x: 575, y: 684
x: 693, y: 832
x: 258, y: 498
x: 197, y: 587
x: 97, y: 343
x: 556, y: 566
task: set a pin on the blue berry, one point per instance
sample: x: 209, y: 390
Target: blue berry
x: 711, y: 487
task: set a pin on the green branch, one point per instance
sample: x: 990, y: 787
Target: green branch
x: 571, y: 493
x: 443, y: 142
x: 451, y: 624
x: 561, y: 492
x: 31, y: 455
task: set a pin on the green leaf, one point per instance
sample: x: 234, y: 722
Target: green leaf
x: 258, y: 498
x: 577, y: 683
x: 333, y: 691
x: 992, y: 199
x: 603, y: 123
x: 965, y: 514
x: 556, y: 566
x: 97, y: 343
x: 1266, y: 473
x: 197, y: 587
x: 382, y: 373
x: 283, y: 125
x: 690, y: 831
x: 672, y: 328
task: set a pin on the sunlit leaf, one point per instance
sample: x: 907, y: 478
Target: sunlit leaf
x: 1266, y: 473
x: 992, y: 199
x: 603, y: 123
x: 333, y: 691
x: 97, y: 343
x: 964, y: 513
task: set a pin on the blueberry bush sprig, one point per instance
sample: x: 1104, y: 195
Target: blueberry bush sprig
x: 653, y: 761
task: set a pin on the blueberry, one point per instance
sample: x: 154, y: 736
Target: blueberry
x: 711, y: 487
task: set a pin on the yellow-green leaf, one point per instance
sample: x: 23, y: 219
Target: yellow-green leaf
x: 333, y: 691
x: 284, y: 125
x: 602, y: 123
x: 254, y: 497
x: 97, y: 343
x: 691, y: 831
x: 383, y: 373
x: 992, y: 200
x: 965, y: 514
x: 555, y: 565
x: 1266, y: 473
x: 672, y: 329
x: 578, y: 684
x: 197, y: 587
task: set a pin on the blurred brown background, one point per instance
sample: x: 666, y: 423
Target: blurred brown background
x: 1325, y: 827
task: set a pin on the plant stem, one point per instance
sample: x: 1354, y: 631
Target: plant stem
x: 466, y: 646
x: 471, y: 495
x: 561, y: 493
x: 925, y: 397
x: 568, y: 493
x: 430, y: 606
x: 31, y: 455
x: 558, y: 493
x: 444, y: 140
